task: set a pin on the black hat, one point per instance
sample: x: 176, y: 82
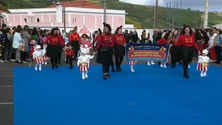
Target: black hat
x: 107, y: 25
x: 118, y: 29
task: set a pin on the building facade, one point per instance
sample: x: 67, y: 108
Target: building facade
x: 54, y: 16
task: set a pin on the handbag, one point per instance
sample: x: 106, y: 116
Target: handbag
x: 21, y: 48
x: 103, y: 49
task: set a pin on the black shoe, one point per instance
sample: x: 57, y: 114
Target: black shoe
x: 113, y: 70
x: 173, y: 66
x: 120, y: 69
x: 186, y: 75
x: 56, y: 67
x: 104, y: 77
x: 52, y: 67
x: 108, y: 76
x: 70, y: 67
x: 117, y: 70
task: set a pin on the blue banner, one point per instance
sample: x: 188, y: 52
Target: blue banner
x: 155, y: 52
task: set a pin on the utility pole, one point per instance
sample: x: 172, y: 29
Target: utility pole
x: 64, y: 16
x: 205, y: 23
x: 105, y: 11
x: 156, y: 15
x: 167, y: 16
x: 177, y: 21
x: 174, y: 14
x: 170, y: 17
x: 180, y: 11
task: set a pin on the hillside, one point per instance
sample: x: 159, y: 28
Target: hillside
x: 140, y: 14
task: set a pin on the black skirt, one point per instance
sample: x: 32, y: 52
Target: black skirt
x: 53, y: 51
x: 75, y: 45
x: 105, y: 57
x: 119, y: 50
x: 178, y: 53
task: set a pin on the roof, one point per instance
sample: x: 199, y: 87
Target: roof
x: 219, y: 26
x: 85, y: 30
x: 80, y: 4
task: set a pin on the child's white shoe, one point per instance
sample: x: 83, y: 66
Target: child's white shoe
x: 161, y: 65
x: 152, y: 63
x: 83, y: 77
x: 40, y: 69
x: 86, y: 76
x: 201, y: 74
x: 164, y: 66
x: 205, y: 74
x: 148, y: 63
x: 36, y: 68
x: 132, y: 70
x: 45, y: 62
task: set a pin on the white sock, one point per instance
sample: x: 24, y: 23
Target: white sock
x: 83, y: 76
x: 40, y: 67
x: 36, y: 66
x: 86, y: 74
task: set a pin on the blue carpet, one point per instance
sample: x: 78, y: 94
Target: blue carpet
x: 150, y: 96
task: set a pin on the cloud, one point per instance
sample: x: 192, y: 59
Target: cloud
x: 214, y: 5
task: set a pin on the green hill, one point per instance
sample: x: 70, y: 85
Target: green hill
x: 140, y: 15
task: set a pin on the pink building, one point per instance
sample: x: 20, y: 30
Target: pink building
x: 77, y: 13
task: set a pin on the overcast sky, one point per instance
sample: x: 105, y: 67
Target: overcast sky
x: 214, y: 5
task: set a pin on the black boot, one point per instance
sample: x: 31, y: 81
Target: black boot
x: 117, y: 68
x: 104, y: 77
x: 173, y: 65
x: 71, y: 67
x: 108, y: 76
x: 186, y: 74
x: 56, y: 66
x: 120, y: 68
x: 52, y: 67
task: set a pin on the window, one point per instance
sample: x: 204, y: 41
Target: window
x: 25, y: 20
x: 37, y: 20
x: 74, y: 20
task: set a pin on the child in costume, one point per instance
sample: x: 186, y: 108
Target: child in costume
x: 69, y: 55
x: 203, y: 63
x: 83, y: 63
x: 150, y: 62
x: 132, y: 63
x: 37, y: 56
x: 45, y: 58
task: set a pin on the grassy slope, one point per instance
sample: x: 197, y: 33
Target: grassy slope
x: 139, y: 13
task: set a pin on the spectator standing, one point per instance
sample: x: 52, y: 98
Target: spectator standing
x: 17, y: 40
x: 6, y: 43
x: 127, y: 36
x: 26, y: 36
x: 35, y: 35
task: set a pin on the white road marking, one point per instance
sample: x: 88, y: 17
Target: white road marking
x: 6, y: 103
x: 5, y: 86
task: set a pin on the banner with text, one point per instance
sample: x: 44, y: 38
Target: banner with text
x: 155, y: 52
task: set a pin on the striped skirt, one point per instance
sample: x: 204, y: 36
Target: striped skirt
x: 38, y: 60
x: 200, y: 67
x: 83, y: 68
x: 132, y: 62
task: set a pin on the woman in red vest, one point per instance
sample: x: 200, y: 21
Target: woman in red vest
x: 105, y: 49
x: 53, y: 48
x: 75, y: 41
x: 119, y: 50
x: 187, y: 42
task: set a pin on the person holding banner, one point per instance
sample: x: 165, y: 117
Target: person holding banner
x: 105, y: 49
x: 75, y: 41
x: 187, y: 42
x: 119, y: 50
x: 164, y: 40
x: 173, y: 40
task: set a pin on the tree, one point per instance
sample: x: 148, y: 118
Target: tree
x: 136, y: 24
x: 201, y: 23
x: 3, y: 7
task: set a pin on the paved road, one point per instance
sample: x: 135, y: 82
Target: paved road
x: 6, y: 88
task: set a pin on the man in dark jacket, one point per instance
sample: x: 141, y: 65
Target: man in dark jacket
x: 6, y: 44
x: 134, y: 37
x: 127, y: 36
